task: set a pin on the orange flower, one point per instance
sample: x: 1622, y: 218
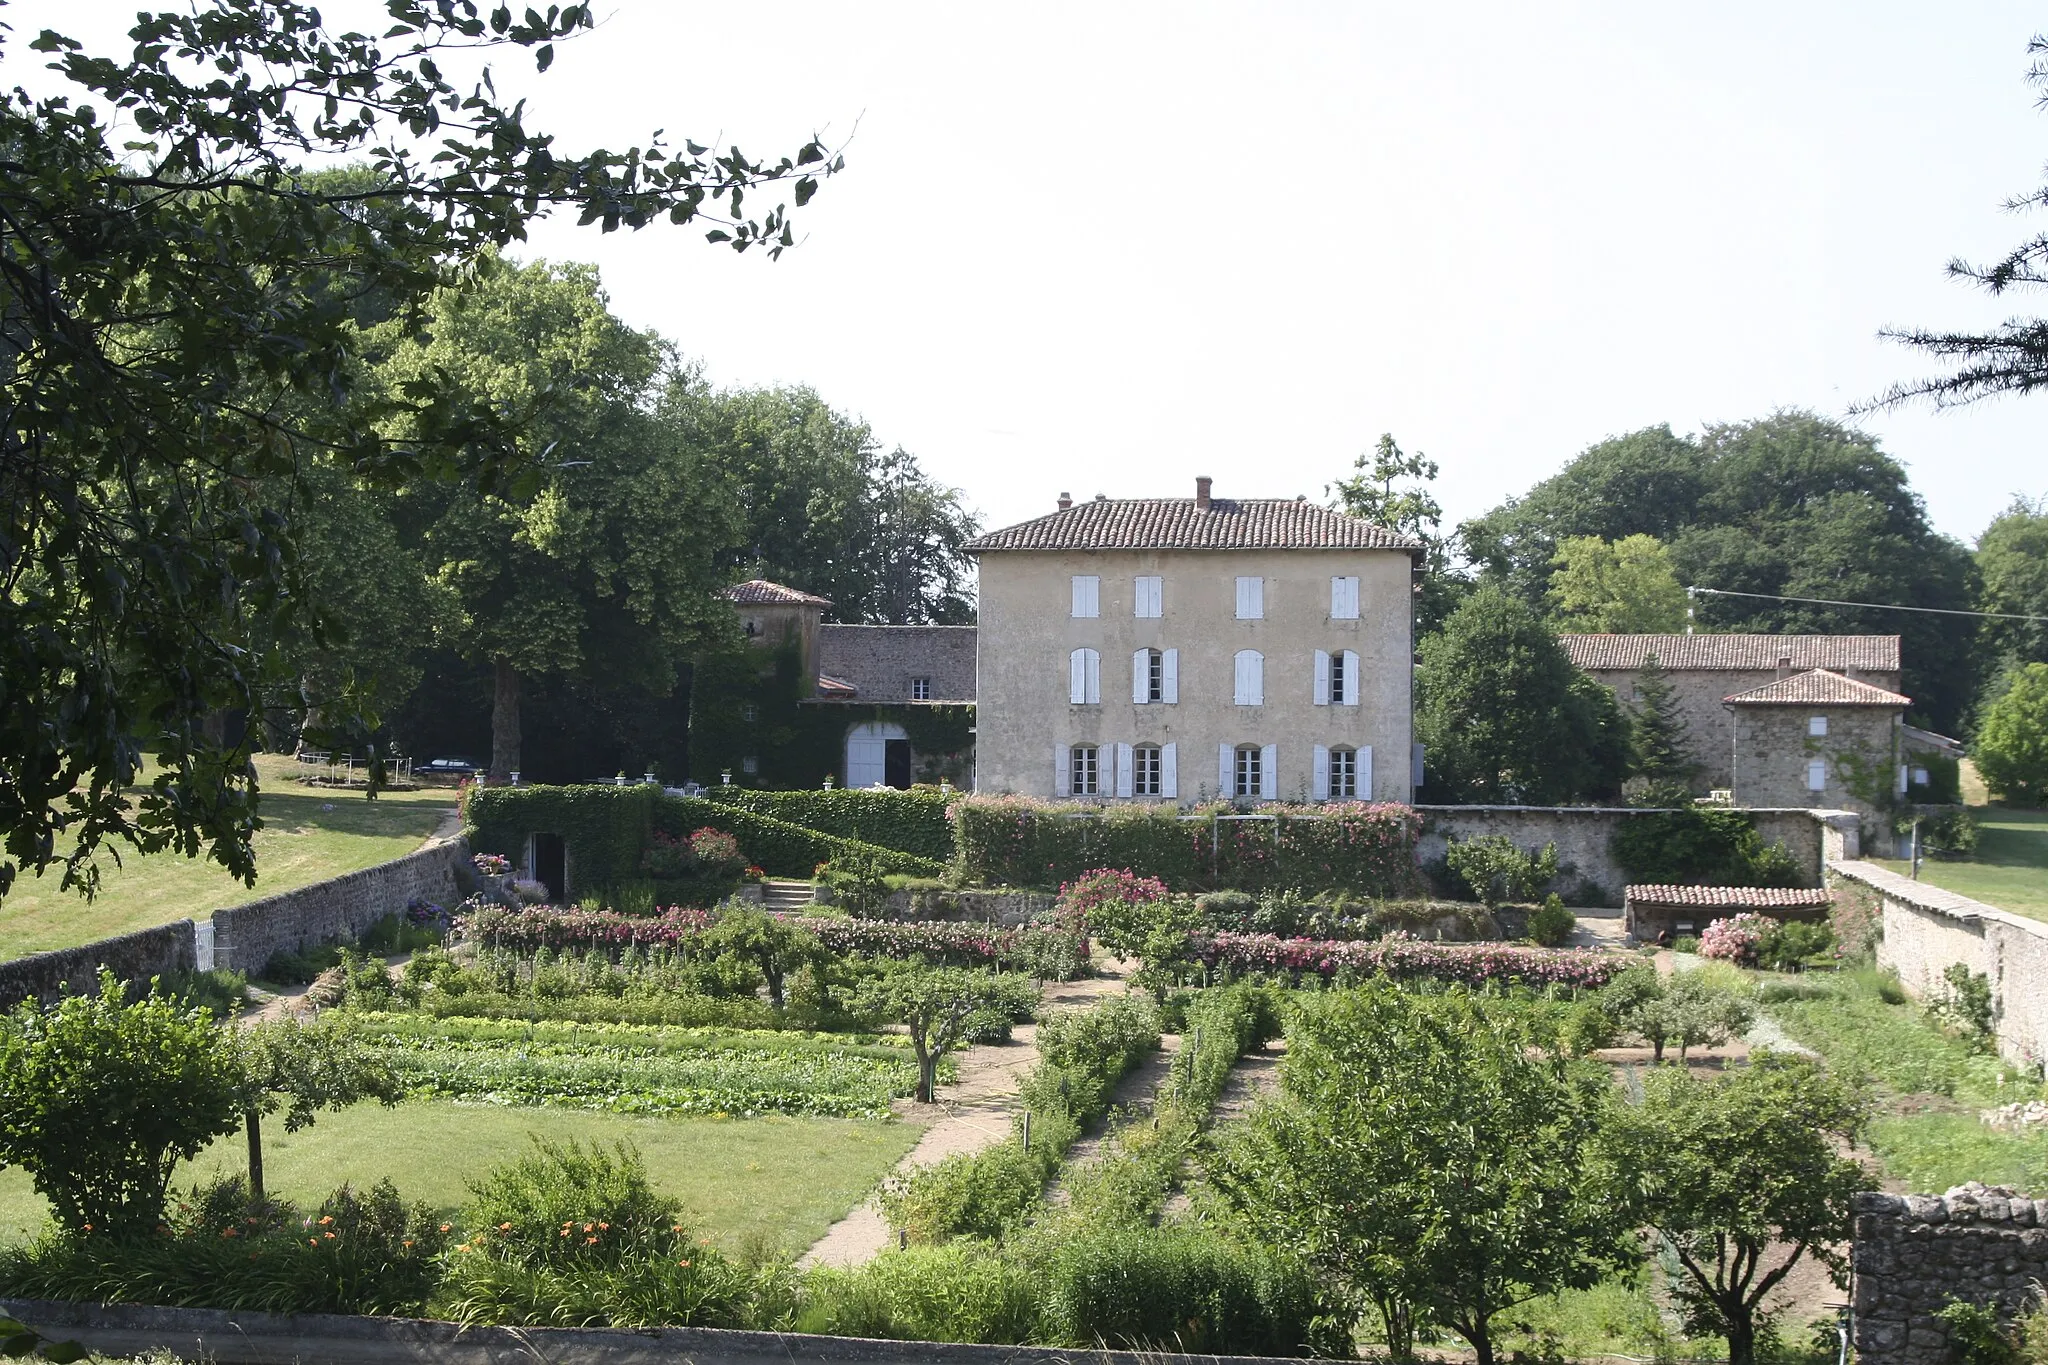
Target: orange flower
x: 408, y: 1242
x: 504, y: 1227
x: 312, y: 1241
x: 587, y: 1227
x: 590, y: 1241
x: 328, y: 1235
x: 325, y: 1221
x: 684, y: 1264
x: 227, y: 1232
x: 444, y: 1227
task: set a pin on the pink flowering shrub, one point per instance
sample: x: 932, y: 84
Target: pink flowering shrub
x: 1735, y: 939
x: 1090, y: 894
x: 1472, y: 963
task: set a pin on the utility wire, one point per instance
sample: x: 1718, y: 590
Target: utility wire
x: 1872, y: 606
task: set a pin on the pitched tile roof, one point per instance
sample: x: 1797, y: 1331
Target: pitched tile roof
x: 759, y: 592
x: 1865, y: 653
x: 1178, y: 524
x: 1817, y: 688
x: 1732, y: 897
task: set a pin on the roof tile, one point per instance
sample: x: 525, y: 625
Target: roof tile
x: 1865, y: 653
x: 759, y: 592
x: 1817, y: 688
x: 1733, y: 897
x: 1178, y: 524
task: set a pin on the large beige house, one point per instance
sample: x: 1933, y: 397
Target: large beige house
x: 1176, y: 649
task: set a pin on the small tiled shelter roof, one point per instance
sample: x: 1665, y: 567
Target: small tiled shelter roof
x: 759, y: 592
x: 1817, y: 687
x: 1182, y: 524
x: 1733, y: 897
x: 1738, y: 653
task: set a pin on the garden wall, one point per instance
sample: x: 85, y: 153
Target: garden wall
x: 1926, y: 929
x: 1912, y: 1253
x: 1584, y: 836
x: 320, y: 1339
x: 248, y: 936
x: 132, y: 957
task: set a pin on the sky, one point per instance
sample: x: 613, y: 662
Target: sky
x: 1096, y: 248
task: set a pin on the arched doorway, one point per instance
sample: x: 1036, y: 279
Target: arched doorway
x: 877, y: 752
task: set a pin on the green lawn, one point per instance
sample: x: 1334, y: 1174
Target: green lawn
x: 2009, y: 868
x: 308, y: 835
x: 777, y: 1180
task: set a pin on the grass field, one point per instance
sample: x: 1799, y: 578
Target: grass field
x: 308, y: 835
x: 2009, y: 868
x: 777, y: 1180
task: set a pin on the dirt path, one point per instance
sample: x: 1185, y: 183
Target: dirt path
x: 971, y: 1114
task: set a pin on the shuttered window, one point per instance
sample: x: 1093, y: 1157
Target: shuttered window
x: 1085, y: 770
x: 1145, y: 770
x: 1250, y: 687
x: 1247, y: 771
x: 1087, y: 595
x: 1148, y: 596
x: 1084, y: 678
x: 1343, y: 774
x: 1251, y: 599
x: 1344, y: 599
x: 1817, y: 775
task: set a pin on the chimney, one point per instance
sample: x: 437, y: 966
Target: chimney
x: 1065, y: 502
x: 1784, y: 666
x: 1202, y: 493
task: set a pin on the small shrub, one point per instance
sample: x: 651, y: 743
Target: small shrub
x: 1969, y: 1002
x: 859, y: 885
x: 533, y: 1211
x: 1686, y: 943
x: 1497, y: 871
x: 1735, y: 939
x: 967, y: 1291
x: 220, y: 994
x: 1787, y: 944
x: 1953, y: 832
x: 1551, y: 924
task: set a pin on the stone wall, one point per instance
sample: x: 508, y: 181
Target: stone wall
x: 132, y: 957
x: 1859, y: 753
x: 1584, y: 836
x: 1926, y: 929
x: 1913, y: 1253
x: 247, y: 936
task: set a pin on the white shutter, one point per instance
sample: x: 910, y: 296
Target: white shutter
x: 1251, y: 678
x: 1416, y: 753
x: 1350, y: 697
x: 1087, y: 595
x: 1269, y: 772
x: 1092, y: 662
x: 1322, y: 677
x: 1364, y: 778
x: 1124, y: 784
x: 1148, y: 596
x: 1141, y: 677
x: 1169, y: 677
x: 1344, y: 599
x: 1225, y: 757
x: 1817, y: 775
x: 1319, y: 773
x: 1077, y: 677
x: 1059, y: 771
x: 1251, y: 599
x: 1169, y: 772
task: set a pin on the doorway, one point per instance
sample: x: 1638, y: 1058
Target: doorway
x: 877, y: 755
x: 896, y: 764
x: 550, y: 862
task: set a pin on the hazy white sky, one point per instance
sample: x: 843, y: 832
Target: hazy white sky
x: 1106, y: 248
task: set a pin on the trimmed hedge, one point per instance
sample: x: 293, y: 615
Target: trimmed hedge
x: 606, y: 829
x: 913, y: 822
x: 1367, y: 849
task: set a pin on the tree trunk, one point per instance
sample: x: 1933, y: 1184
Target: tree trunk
x: 1741, y: 1338
x: 1656, y: 1051
x: 505, y: 723
x: 927, y: 1069
x: 254, y: 1120
x: 774, y: 975
x: 1398, y: 1317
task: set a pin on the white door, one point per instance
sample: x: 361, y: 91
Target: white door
x: 867, y: 753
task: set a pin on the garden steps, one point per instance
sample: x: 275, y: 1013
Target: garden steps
x: 785, y: 894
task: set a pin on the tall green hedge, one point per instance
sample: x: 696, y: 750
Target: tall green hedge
x: 606, y: 829
x: 909, y: 822
x: 1351, y: 846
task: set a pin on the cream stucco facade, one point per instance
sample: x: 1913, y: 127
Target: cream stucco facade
x: 1028, y: 723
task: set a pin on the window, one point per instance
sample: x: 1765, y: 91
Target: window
x: 752, y: 626
x: 1344, y: 599
x: 1919, y: 777
x: 1251, y: 678
x: 1082, y: 775
x: 1343, y: 774
x: 1816, y: 726
x: 920, y: 689
x: 1148, y: 676
x: 1145, y: 770
x: 750, y: 766
x: 1817, y: 775
x: 1336, y: 678
x: 750, y: 713
x: 1149, y: 596
x: 1087, y: 595
x: 1248, y: 775
x: 1251, y: 599
x: 1084, y: 678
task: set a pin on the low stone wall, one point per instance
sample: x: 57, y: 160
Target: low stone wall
x: 323, y: 1339
x: 247, y: 936
x: 132, y: 957
x: 1924, y: 930
x: 1584, y: 836
x: 1913, y: 1253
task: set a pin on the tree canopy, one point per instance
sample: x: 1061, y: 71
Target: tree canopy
x: 181, y: 332
x: 2012, y: 555
x: 1789, y: 505
x: 2012, y: 743
x: 1624, y: 586
x: 1371, y: 492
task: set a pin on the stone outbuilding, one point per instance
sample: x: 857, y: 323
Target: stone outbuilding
x: 1818, y: 739
x: 1657, y: 914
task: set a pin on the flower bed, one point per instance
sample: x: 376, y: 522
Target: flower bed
x: 1472, y: 963
x: 551, y: 926
x: 1047, y: 953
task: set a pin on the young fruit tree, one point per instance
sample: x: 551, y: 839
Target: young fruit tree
x: 1740, y: 1177
x: 942, y: 1006
x: 304, y: 1068
x: 1426, y: 1161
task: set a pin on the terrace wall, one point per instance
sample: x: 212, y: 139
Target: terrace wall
x: 1913, y: 1253
x: 131, y: 957
x: 1924, y: 930
x: 247, y: 936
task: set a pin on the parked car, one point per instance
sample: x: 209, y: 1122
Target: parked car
x: 448, y: 767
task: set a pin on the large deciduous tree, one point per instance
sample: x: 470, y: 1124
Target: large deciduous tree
x: 1392, y: 487
x: 1624, y: 586
x: 1505, y: 716
x: 178, y: 332
x: 1420, y: 1157
x: 2012, y: 743
x: 2012, y: 555
x: 611, y: 564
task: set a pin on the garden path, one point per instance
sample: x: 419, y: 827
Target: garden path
x: 1251, y: 1080
x: 971, y: 1114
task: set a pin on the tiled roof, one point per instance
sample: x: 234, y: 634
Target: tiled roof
x: 1864, y: 653
x: 1732, y: 897
x: 836, y: 688
x: 759, y: 592
x: 1817, y: 688
x: 1178, y: 524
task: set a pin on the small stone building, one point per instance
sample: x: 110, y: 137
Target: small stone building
x: 1704, y: 670
x: 1657, y: 914
x: 1817, y: 739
